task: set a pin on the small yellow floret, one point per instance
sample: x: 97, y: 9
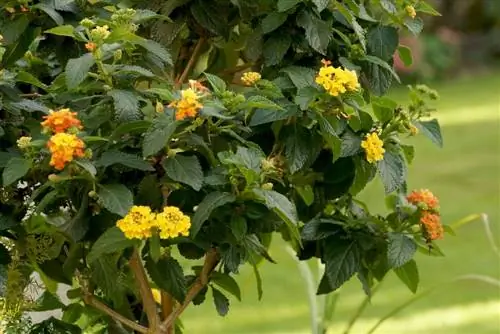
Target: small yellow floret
x: 336, y: 80
x: 374, y: 147
x: 250, y: 78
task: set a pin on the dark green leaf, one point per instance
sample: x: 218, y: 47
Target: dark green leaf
x: 53, y: 325
x: 275, y: 49
x: 365, y: 172
x: 321, y: 4
x: 392, y: 170
x: 168, y: 275
x: 111, y: 241
x: 239, y: 227
x: 64, y: 30
x: 379, y: 79
x: 408, y: 274
x: 431, y: 130
x: 318, y: 32
x: 319, y: 229
x: 130, y: 128
x: 5, y: 258
x: 226, y: 282
x: 400, y: 250
x: 306, y: 193
x: 126, y: 105
x: 409, y: 152
x: 383, y: 108
x: 209, y: 17
x: 29, y: 105
x: 218, y: 85
x: 405, y: 55
x: 260, y: 102
x: 351, y: 144
x: 158, y: 135
x: 29, y: 78
x: 382, y: 42
x: 105, y: 274
x: 262, y: 116
x: 47, y: 302
x: 221, y: 302
x: 256, y: 249
x: 156, y: 49
x: 137, y: 70
x: 284, y: 5
x: 110, y: 158
x: 77, y: 70
x: 301, y: 148
x: 211, y: 202
x: 51, y: 12
x: 415, y: 26
x: 273, y: 21
x: 305, y: 96
x: 16, y: 168
x: 300, y: 76
x: 184, y: 169
x: 88, y: 166
x: 116, y: 198
x: 382, y: 64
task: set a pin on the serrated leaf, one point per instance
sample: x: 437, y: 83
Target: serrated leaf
x: 388, y: 6
x: 77, y: 70
x: 218, y: 85
x: 321, y: 4
x: 110, y: 158
x: 184, y: 169
x: 319, y: 229
x: 383, y: 108
x: 227, y: 283
x: 431, y: 130
x: 29, y: 106
x: 239, y: 227
x: 116, y: 198
x: 263, y: 116
x: 409, y: 152
x: 408, y: 274
x: 415, y: 26
x: 318, y: 32
x: 47, y: 302
x: 141, y: 71
x: 126, y: 105
x: 383, y: 64
x: 158, y: 135
x: 301, y: 148
x: 15, y: 169
x: 273, y: 21
x: 163, y: 93
x: 400, y: 250
x: 379, y: 79
x: 364, y: 173
x: 392, y: 171
x: 29, y: 78
x: 111, y: 241
x: 104, y: 275
x: 382, y: 42
x: 300, y: 76
x: 284, y: 5
x: 221, y: 302
x: 306, y: 193
x: 405, y: 55
x: 64, y: 30
x: 156, y: 49
x: 51, y: 12
x: 275, y: 48
x: 351, y: 144
x: 425, y: 7
x: 168, y: 275
x: 211, y: 202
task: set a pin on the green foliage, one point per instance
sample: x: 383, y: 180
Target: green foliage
x: 242, y: 159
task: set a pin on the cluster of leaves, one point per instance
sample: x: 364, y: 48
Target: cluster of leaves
x: 281, y: 156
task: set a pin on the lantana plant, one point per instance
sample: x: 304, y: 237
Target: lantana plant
x: 149, y: 152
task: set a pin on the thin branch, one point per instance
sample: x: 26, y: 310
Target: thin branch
x: 167, y: 307
x: 211, y: 261
x: 148, y: 301
x: 191, y: 62
x: 90, y: 300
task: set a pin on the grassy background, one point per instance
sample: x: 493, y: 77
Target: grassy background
x: 465, y: 176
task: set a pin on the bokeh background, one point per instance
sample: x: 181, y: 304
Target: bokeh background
x: 459, y: 55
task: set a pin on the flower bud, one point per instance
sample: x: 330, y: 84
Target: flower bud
x: 267, y: 186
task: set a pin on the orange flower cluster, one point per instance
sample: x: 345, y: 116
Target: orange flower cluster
x: 64, y: 147
x: 61, y: 121
x: 430, y: 220
x: 187, y: 106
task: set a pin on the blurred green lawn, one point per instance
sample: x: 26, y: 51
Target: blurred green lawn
x: 465, y: 174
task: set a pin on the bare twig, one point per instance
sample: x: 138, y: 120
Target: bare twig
x: 191, y: 62
x: 211, y: 260
x: 167, y: 307
x: 148, y: 301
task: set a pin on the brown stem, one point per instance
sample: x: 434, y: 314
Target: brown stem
x: 191, y: 62
x: 92, y: 301
x: 211, y: 260
x: 148, y: 301
x: 167, y: 307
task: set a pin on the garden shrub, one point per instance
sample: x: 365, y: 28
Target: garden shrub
x: 150, y: 149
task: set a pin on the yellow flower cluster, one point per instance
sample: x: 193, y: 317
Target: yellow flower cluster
x: 100, y: 33
x: 140, y: 222
x: 24, y: 142
x: 410, y: 10
x: 374, y: 147
x: 336, y: 80
x: 250, y: 78
x: 187, y: 106
x: 64, y: 147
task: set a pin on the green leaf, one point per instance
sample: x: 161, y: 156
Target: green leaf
x: 383, y: 108
x: 425, y: 7
x: 321, y: 4
x: 158, y: 135
x: 227, y: 283
x: 388, y: 6
x: 29, y: 106
x: 256, y: 250
x: 126, y: 105
x: 284, y: 5
x: 218, y: 85
x: 408, y: 274
x: 5, y: 258
x: 342, y: 259
x: 88, y: 166
x: 415, y: 26
x: 116, y: 198
x: 168, y: 275
x: 405, y: 55
x: 351, y: 144
x: 379, y: 78
x: 305, y: 96
x: 275, y: 48
x: 282, y: 206
x: 53, y: 325
x: 221, y: 302
x: 300, y: 76
x: 382, y: 42
x: 239, y: 227
x: 51, y: 12
x: 210, y: 17
x: 137, y: 70
x: 409, y: 152
x: 29, y: 78
x: 318, y: 32
x: 15, y: 169
x: 47, y: 302
x: 77, y: 70
x: 301, y: 148
x: 365, y: 172
x: 263, y: 116
x: 110, y: 158
x: 401, y: 249
x: 273, y: 21
x: 319, y: 229
x: 111, y: 241
x: 258, y: 280
x: 392, y: 170
x: 156, y: 49
x: 431, y: 130
x: 260, y: 102
x: 306, y: 193
x: 64, y: 30
x: 383, y: 64
x: 163, y: 93
x: 134, y: 127
x: 211, y: 202
x: 184, y: 169
x: 105, y: 274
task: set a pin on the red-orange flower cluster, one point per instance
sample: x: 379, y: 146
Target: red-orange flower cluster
x: 424, y: 198
x: 432, y: 225
x: 64, y: 147
x: 187, y: 106
x: 61, y: 121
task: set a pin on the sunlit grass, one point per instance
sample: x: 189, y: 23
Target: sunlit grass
x: 465, y: 174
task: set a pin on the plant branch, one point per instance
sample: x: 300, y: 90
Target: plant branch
x: 148, y: 301
x: 211, y: 261
x: 191, y: 62
x: 90, y: 300
x: 167, y: 307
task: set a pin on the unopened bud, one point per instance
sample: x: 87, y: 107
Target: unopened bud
x: 117, y: 55
x: 53, y: 178
x: 267, y: 186
x: 93, y: 194
x: 159, y: 107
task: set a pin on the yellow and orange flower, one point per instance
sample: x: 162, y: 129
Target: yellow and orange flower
x: 423, y: 198
x: 61, y: 120
x: 64, y: 148
x: 187, y: 106
x: 90, y: 46
x: 432, y: 226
